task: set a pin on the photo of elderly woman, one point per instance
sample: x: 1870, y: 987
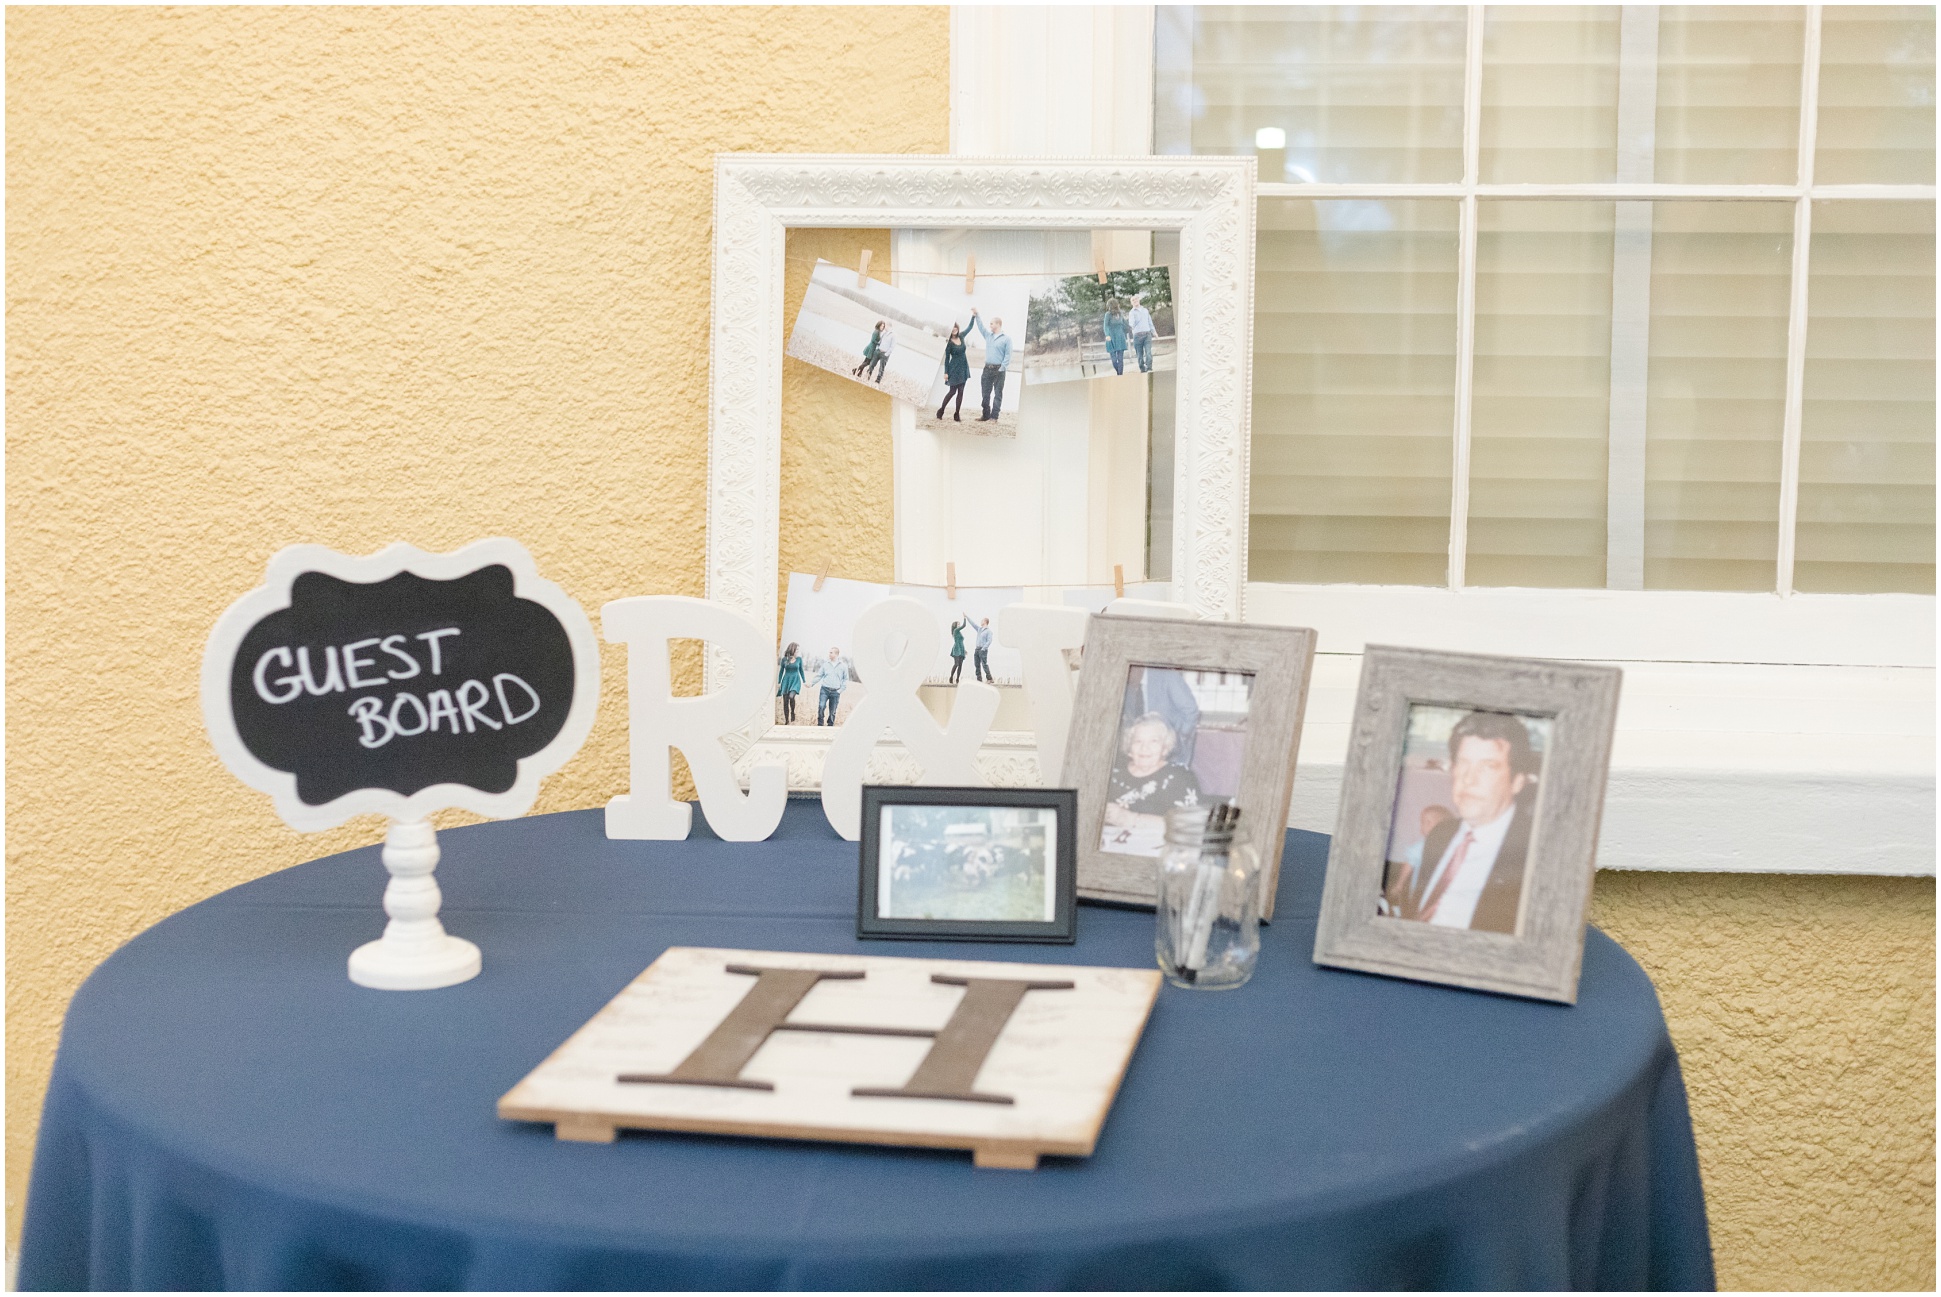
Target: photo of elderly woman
x: 1182, y: 736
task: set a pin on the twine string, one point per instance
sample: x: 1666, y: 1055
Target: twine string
x: 1130, y: 581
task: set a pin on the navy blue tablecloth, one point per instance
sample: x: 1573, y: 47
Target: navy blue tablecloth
x: 228, y: 1111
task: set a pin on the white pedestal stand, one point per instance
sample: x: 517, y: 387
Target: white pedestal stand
x: 415, y: 953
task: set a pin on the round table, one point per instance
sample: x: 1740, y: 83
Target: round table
x: 229, y: 1111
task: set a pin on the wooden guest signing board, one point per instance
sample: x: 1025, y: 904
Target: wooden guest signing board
x: 1011, y: 1061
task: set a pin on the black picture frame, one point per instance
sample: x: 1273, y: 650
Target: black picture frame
x: 1063, y: 928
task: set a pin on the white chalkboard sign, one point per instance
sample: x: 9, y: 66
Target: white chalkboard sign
x: 400, y: 683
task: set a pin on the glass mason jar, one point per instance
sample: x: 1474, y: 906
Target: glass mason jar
x: 1208, y: 934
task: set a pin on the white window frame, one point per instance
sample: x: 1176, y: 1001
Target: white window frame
x: 1778, y: 732
x: 1909, y: 639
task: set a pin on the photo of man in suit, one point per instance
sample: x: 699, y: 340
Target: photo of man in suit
x: 1472, y: 863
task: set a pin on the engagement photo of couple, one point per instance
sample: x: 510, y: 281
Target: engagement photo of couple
x: 983, y: 355
x: 991, y: 373
x: 1083, y: 328
x: 816, y: 680
x: 982, y: 635
x: 871, y: 333
x: 825, y: 678
x: 1122, y: 327
x: 876, y: 353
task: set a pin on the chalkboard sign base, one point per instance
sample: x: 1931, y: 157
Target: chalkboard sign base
x: 378, y: 964
x: 415, y: 953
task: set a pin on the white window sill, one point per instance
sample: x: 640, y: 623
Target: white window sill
x: 1754, y: 767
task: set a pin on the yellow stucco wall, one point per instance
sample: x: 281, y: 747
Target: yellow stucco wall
x: 1803, y: 1011
x: 348, y: 276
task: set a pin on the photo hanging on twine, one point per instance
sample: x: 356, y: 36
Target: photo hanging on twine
x: 870, y: 333
x: 816, y: 681
x: 1081, y: 328
x: 982, y: 383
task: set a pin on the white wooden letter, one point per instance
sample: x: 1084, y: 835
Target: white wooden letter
x: 1042, y: 633
x: 891, y: 677
x: 658, y: 721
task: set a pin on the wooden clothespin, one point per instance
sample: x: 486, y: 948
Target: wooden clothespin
x: 862, y: 269
x: 950, y: 581
x: 970, y: 274
x: 1098, y: 264
x: 1119, y: 580
x: 821, y: 576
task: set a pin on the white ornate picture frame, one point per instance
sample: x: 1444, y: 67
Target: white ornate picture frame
x: 758, y: 198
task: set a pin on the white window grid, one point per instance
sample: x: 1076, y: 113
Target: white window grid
x: 1629, y: 353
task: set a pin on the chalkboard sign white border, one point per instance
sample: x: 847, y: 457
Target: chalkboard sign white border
x: 273, y: 595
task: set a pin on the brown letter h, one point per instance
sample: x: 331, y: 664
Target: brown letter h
x: 947, y: 1071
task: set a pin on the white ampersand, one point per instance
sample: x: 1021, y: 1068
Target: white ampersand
x: 891, y: 678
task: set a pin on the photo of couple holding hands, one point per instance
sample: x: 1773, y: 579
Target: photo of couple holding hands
x: 997, y: 358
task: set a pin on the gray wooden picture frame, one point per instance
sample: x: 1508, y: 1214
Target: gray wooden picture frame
x: 1281, y: 660
x: 1542, y: 959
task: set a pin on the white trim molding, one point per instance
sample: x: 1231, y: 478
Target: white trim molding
x: 1755, y: 733
x: 1723, y: 767
x: 1051, y: 80
x: 1874, y: 630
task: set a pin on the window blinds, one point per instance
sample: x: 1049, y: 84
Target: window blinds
x: 1876, y: 120
x: 1728, y: 94
x: 1538, y: 446
x: 1866, y: 468
x: 1361, y: 93
x: 1354, y: 391
x: 1550, y: 93
x: 1716, y: 396
x: 1628, y: 398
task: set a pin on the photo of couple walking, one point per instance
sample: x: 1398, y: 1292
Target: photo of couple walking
x: 871, y: 333
x: 816, y: 681
x: 826, y: 679
x: 1122, y: 326
x: 876, y: 353
x: 1082, y: 328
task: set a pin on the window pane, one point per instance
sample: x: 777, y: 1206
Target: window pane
x: 1866, y: 468
x: 1354, y: 391
x: 1540, y: 429
x: 1716, y: 404
x: 1876, y: 95
x: 1359, y: 92
x: 1550, y: 76
x: 1728, y: 94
